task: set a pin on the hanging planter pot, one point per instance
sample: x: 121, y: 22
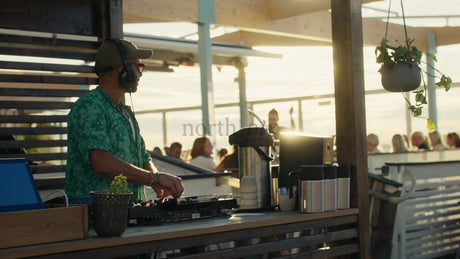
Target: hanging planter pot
x: 401, y: 72
x: 400, y: 77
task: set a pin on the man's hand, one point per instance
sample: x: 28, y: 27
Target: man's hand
x: 169, y: 185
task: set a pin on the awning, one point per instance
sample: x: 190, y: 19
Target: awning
x: 174, y: 52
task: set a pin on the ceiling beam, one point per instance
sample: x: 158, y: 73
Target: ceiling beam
x: 258, y: 28
x: 446, y: 35
x: 289, y: 8
x: 144, y: 11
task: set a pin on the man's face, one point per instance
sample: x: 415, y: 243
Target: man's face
x: 138, y: 68
x: 272, y: 119
x: 416, y: 140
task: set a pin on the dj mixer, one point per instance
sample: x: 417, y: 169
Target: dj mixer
x: 159, y: 211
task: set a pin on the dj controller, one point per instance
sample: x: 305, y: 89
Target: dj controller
x: 159, y: 211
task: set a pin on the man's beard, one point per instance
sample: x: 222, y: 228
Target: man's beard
x: 131, y: 89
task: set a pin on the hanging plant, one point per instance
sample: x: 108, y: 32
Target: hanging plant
x: 401, y: 70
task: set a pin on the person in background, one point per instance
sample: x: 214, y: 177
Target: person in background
x: 398, y: 143
x: 175, y: 150
x: 103, y: 135
x: 372, y: 144
x: 166, y: 149
x: 453, y: 140
x: 419, y: 141
x: 436, y: 141
x: 157, y: 149
x: 201, y: 153
x: 229, y: 162
x: 273, y: 126
x: 222, y: 153
x: 406, y: 139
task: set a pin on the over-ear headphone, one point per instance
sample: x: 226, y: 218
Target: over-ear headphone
x: 128, y: 77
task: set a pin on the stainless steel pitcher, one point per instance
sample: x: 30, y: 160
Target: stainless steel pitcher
x: 254, y: 163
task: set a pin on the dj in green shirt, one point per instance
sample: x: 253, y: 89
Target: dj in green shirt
x: 103, y: 135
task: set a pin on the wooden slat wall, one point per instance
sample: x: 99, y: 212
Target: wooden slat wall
x: 428, y: 222
x: 432, y: 219
x: 24, y: 124
x: 47, y: 49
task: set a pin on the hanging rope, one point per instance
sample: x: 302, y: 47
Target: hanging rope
x: 404, y: 22
x: 388, y: 19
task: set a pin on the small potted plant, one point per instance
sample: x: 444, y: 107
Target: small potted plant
x: 110, y: 208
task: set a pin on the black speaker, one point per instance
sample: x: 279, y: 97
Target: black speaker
x: 128, y: 77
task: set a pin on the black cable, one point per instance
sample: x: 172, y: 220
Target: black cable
x: 136, y: 135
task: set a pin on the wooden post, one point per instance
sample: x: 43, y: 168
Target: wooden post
x: 111, y: 19
x: 347, y: 42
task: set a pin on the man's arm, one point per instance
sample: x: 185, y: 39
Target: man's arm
x: 108, y: 165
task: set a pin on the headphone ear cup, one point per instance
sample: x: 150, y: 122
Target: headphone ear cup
x: 128, y: 78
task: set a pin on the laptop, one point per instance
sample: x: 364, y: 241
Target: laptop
x: 18, y: 190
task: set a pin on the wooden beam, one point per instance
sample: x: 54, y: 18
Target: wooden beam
x: 374, y: 32
x: 307, y: 24
x: 347, y: 41
x: 288, y: 8
x: 141, y: 11
x: 446, y: 35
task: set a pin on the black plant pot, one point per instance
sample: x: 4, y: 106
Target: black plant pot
x: 400, y: 77
x: 110, y: 213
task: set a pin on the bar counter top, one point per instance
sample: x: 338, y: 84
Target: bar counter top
x: 143, y: 239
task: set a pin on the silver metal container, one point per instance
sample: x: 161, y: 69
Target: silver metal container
x: 254, y: 162
x: 343, y: 187
x: 330, y: 188
x: 311, y: 183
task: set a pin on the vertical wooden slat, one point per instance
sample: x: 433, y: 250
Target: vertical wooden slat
x: 347, y: 42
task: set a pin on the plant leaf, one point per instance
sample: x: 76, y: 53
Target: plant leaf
x: 430, y: 124
x: 445, y: 82
x: 415, y: 110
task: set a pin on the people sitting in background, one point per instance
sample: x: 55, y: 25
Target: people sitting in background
x: 399, y: 144
x: 419, y: 141
x: 201, y: 154
x: 175, y: 150
x: 229, y: 162
x: 436, y: 141
x: 453, y: 140
x: 372, y: 144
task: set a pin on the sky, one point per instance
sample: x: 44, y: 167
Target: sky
x: 302, y: 71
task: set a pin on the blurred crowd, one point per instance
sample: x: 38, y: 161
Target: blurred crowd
x: 417, y: 141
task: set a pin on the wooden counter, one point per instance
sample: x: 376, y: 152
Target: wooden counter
x: 270, y: 229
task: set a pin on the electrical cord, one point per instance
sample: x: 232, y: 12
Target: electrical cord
x: 60, y: 191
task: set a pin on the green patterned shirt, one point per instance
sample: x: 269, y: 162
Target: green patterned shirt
x: 95, y: 122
